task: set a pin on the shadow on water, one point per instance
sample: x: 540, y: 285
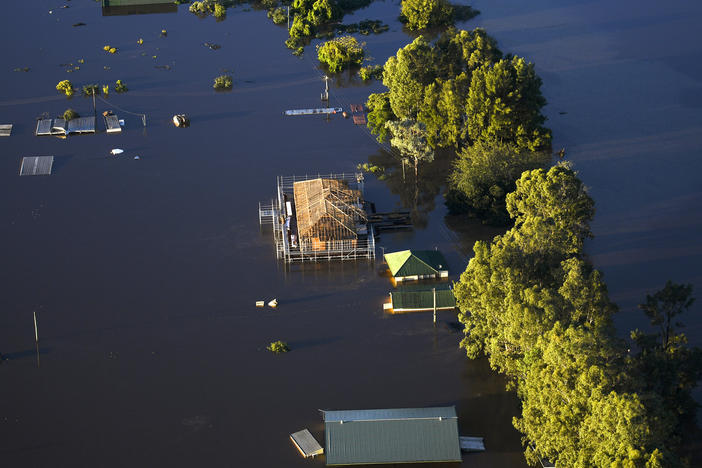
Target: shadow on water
x: 314, y: 342
x: 60, y: 162
x: 416, y: 194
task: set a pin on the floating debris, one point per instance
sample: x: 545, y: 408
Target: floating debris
x: 273, y: 303
x: 212, y: 46
x: 116, y: 151
x: 137, y: 157
x: 325, y: 110
x: 79, y: 24
x: 5, y: 130
x: 181, y: 120
x: 260, y: 303
x: 163, y: 67
x: 22, y: 69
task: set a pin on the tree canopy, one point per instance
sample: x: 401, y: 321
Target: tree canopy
x: 340, y: 52
x: 483, y: 175
x: 422, y: 14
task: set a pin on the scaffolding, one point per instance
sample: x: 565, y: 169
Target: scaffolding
x: 319, y: 218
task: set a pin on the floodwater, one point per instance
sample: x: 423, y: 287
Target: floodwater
x: 144, y: 273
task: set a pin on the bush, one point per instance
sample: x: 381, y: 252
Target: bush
x: 278, y: 15
x: 278, y: 347
x: 220, y: 12
x: 371, y: 71
x: 340, y: 52
x: 66, y: 87
x: 121, y: 87
x: 422, y: 14
x: 223, y: 82
x: 90, y: 89
x: 70, y: 114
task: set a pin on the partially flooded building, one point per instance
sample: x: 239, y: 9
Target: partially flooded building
x: 319, y: 218
x: 409, y: 265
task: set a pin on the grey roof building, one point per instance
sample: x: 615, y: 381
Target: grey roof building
x: 406, y: 435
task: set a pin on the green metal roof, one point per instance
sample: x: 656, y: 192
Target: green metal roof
x: 408, y: 435
x: 422, y: 300
x: 415, y: 262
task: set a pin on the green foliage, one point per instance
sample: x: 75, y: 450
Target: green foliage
x: 120, y: 87
x: 341, y: 52
x: 665, y: 364
x: 504, y: 103
x: 371, y: 71
x: 220, y: 12
x: 70, y: 114
x: 422, y: 14
x: 206, y: 7
x: 483, y: 175
x: 517, y: 288
x: 66, y: 87
x: 90, y: 89
x: 431, y: 83
x: 278, y: 347
x: 409, y: 137
x: 379, y: 113
x: 364, y: 27
x: 278, y: 15
x: 223, y: 82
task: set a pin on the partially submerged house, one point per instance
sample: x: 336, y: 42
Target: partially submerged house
x: 319, y: 218
x: 408, y: 265
x: 407, y: 435
x: 420, y: 299
x: 137, y: 7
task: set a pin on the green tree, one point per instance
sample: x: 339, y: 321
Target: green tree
x: 422, y: 14
x: 483, y: 175
x: 665, y: 364
x: 516, y: 288
x: 406, y: 75
x: 340, y: 52
x: 409, y: 137
x: 504, y: 104
x: 379, y: 112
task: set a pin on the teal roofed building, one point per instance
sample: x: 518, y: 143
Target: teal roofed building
x: 408, y: 265
x: 407, y: 435
x: 420, y: 299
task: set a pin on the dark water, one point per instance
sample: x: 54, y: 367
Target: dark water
x: 144, y: 272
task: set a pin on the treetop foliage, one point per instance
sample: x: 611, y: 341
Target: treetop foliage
x: 422, y: 14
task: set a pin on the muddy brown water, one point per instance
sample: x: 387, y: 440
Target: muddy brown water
x: 144, y: 273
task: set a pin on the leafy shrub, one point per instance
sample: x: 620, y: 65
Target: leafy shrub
x: 223, y: 82
x: 105, y: 90
x: 66, y: 87
x: 70, y: 114
x: 340, y: 52
x: 278, y: 347
x: 371, y: 71
x: 422, y: 14
x: 121, y: 87
x: 220, y: 12
x: 278, y: 15
x: 90, y: 89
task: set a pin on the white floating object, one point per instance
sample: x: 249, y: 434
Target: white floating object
x: 121, y: 122
x: 273, y: 303
x: 137, y: 157
x: 116, y: 151
x: 260, y: 303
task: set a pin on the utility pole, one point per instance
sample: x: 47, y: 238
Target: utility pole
x: 288, y: 17
x: 36, y: 337
x: 433, y: 290
x: 325, y: 94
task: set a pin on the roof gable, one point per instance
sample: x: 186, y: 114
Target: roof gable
x: 415, y: 262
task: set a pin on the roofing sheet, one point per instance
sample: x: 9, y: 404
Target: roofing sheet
x: 307, y: 444
x: 422, y: 300
x: 82, y: 125
x: 415, y: 262
x: 393, y: 436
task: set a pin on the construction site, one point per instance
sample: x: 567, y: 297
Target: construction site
x: 319, y: 218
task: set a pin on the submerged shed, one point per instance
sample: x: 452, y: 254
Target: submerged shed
x: 5, y: 129
x: 306, y: 444
x: 36, y: 165
x: 407, y: 435
x: 407, y: 265
x: 421, y: 300
x: 329, y: 214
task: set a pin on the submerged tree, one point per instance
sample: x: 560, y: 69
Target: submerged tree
x: 422, y: 14
x: 409, y: 137
x: 340, y: 52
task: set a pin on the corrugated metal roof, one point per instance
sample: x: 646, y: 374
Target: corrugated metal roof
x: 422, y: 300
x: 416, y: 262
x: 391, y: 436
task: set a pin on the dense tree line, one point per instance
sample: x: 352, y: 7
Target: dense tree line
x: 534, y: 304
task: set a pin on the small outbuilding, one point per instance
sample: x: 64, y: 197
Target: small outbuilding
x: 406, y: 435
x: 412, y: 299
x: 408, y: 265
